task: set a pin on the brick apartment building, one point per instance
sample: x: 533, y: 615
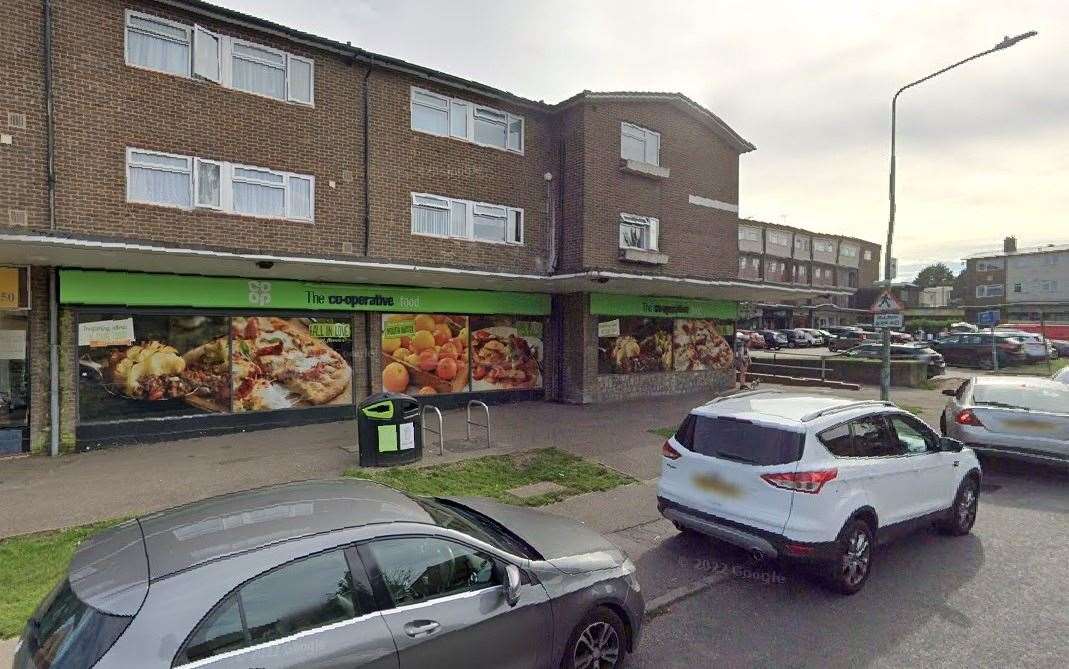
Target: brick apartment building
x: 1027, y: 285
x: 204, y: 215
x: 841, y: 267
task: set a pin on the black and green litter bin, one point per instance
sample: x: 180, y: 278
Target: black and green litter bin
x: 389, y: 430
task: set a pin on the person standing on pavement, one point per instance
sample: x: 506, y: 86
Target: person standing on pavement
x: 742, y: 359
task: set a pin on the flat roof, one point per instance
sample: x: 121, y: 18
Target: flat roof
x: 199, y: 532
x: 1025, y: 251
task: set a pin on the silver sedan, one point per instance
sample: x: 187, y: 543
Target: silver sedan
x: 333, y: 574
x: 1025, y: 417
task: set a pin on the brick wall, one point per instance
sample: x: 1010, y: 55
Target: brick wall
x: 974, y: 278
x: 104, y: 106
x: 404, y: 161
x: 699, y: 241
x: 38, y: 340
x: 23, y: 171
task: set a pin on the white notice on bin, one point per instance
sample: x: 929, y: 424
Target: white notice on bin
x: 408, y: 436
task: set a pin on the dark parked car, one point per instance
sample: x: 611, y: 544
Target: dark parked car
x: 847, y: 339
x: 795, y: 339
x: 874, y: 351
x: 773, y: 340
x: 334, y: 574
x: 1061, y: 348
x: 971, y: 349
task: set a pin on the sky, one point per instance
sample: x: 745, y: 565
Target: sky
x: 983, y: 151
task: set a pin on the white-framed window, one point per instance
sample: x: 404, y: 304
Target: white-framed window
x: 441, y: 115
x: 749, y: 234
x: 640, y: 144
x: 824, y: 246
x: 158, y: 44
x: 801, y: 244
x: 1048, y: 286
x: 848, y: 251
x: 776, y: 238
x: 988, y: 265
x: 163, y: 179
x: 1017, y: 288
x: 192, y: 50
x: 189, y: 182
x: 990, y: 290
x: 639, y: 232
x: 868, y: 254
x: 438, y: 216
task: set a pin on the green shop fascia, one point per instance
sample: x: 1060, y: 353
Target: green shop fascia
x: 196, y: 328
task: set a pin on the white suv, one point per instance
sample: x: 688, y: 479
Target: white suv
x: 815, y: 479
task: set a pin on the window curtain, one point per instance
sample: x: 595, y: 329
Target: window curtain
x: 489, y: 224
x: 208, y: 184
x: 256, y: 77
x: 300, y: 198
x: 159, y: 186
x: 158, y: 53
x: 259, y: 199
x: 430, y: 219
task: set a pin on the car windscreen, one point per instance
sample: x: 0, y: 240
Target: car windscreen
x: 454, y: 516
x: 67, y: 633
x: 739, y: 440
x: 1048, y: 397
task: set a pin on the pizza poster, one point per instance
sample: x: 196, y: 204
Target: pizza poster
x: 425, y: 354
x: 190, y: 364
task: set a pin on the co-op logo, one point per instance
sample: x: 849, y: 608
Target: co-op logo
x: 260, y: 293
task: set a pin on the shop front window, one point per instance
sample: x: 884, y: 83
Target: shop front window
x: 444, y: 354
x: 134, y: 365
x: 14, y: 376
x: 635, y: 345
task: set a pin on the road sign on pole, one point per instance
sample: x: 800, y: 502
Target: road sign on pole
x: 886, y: 303
x: 892, y: 321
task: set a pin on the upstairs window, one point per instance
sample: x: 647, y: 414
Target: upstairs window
x: 991, y: 290
x: 848, y: 251
x: 187, y: 182
x: 437, y: 114
x: 991, y: 265
x: 438, y: 216
x: 184, y: 50
x: 639, y: 144
x: 158, y: 44
x: 778, y: 238
x: 868, y: 255
x: 801, y: 245
x: 824, y: 246
x: 638, y: 232
x: 749, y: 234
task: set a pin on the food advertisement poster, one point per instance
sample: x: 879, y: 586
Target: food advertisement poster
x: 283, y: 363
x: 506, y: 353
x: 634, y: 345
x: 181, y: 365
x: 700, y: 345
x: 425, y: 354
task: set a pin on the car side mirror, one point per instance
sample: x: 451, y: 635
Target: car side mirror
x: 950, y: 392
x: 950, y: 445
x: 513, y: 581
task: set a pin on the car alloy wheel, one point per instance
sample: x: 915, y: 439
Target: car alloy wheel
x: 855, y: 562
x: 598, y: 647
x: 963, y: 513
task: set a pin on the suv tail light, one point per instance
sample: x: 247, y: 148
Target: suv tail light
x: 669, y: 452
x: 968, y: 417
x: 810, y: 482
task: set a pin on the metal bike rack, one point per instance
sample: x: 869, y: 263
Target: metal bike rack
x: 426, y: 428
x: 486, y: 425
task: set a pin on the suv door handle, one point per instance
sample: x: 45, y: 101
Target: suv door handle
x: 418, y: 628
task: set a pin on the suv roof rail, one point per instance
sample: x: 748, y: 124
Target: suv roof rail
x: 746, y: 393
x: 845, y: 407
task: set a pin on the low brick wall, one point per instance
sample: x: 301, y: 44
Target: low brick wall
x: 611, y: 387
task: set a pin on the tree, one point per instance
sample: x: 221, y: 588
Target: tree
x: 935, y: 275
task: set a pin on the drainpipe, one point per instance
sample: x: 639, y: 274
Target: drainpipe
x: 367, y: 161
x: 551, y: 221
x: 53, y: 308
x: 53, y: 364
x: 50, y: 126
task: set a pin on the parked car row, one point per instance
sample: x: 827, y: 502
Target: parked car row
x: 982, y: 349
x: 874, y: 351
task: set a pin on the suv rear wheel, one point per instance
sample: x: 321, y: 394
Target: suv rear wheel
x: 849, y: 571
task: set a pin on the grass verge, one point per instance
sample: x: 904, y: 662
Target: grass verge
x: 492, y: 476
x: 30, y: 565
x: 663, y: 431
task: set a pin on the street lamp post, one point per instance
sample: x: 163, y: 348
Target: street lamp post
x: 1007, y: 42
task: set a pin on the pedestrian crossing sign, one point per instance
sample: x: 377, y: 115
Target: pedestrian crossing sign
x: 887, y: 303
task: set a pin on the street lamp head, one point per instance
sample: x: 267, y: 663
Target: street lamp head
x: 1008, y: 41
